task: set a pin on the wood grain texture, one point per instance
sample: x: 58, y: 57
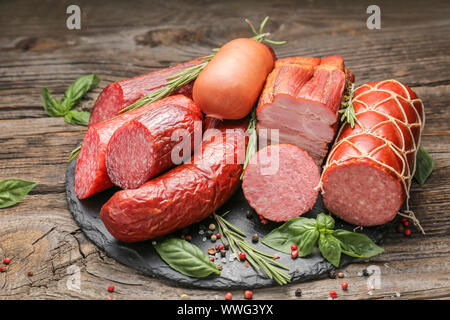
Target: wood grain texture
x: 120, y: 39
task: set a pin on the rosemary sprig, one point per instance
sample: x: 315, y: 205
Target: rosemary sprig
x: 252, y: 140
x: 257, y: 258
x: 75, y: 152
x: 173, y: 83
x: 347, y: 110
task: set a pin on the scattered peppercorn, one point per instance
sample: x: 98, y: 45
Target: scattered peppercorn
x: 2, y: 268
x: 264, y: 221
x: 184, y: 297
x: 212, y: 251
x: 341, y: 275
x: 211, y: 258
x: 188, y: 238
x: 246, y: 265
x: 294, y: 254
x: 248, y: 294
x: 400, y: 228
x: 255, y: 238
x: 406, y: 223
x: 298, y: 292
x: 242, y: 256
x: 226, y: 246
x: 109, y: 298
x: 6, y: 260
x: 332, y: 274
x: 407, y: 232
x: 218, y: 235
x: 333, y: 294
x: 220, y: 267
x: 228, y: 296
x: 223, y: 253
x: 212, y: 226
x: 249, y: 214
x: 344, y: 285
x: 213, y: 238
x: 111, y: 289
x: 294, y: 247
x: 209, y: 233
x: 30, y: 273
x: 365, y: 273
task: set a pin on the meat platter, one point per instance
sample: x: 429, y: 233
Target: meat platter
x: 212, y: 172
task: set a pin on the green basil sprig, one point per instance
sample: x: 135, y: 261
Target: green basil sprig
x: 424, y: 166
x: 306, y: 232
x: 185, y: 257
x: 13, y: 190
x: 63, y: 107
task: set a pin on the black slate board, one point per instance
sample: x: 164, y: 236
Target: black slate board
x: 142, y: 256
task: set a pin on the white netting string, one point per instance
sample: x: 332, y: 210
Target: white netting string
x: 405, y: 174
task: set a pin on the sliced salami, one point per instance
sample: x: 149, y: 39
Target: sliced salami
x: 90, y: 174
x: 301, y: 99
x: 368, y: 173
x: 280, y: 182
x: 142, y: 148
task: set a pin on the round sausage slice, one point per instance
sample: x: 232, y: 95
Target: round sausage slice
x: 280, y: 182
x: 142, y: 148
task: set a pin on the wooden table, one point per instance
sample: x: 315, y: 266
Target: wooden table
x: 120, y: 39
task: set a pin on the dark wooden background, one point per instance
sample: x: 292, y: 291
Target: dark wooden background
x: 120, y: 39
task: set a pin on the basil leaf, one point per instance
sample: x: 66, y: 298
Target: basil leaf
x: 356, y: 244
x: 77, y: 117
x: 52, y: 105
x: 185, y: 257
x: 78, y: 89
x: 324, y: 221
x: 424, y: 166
x: 300, y: 231
x: 330, y: 248
x: 13, y: 190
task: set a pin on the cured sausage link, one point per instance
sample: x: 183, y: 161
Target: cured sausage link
x: 142, y: 148
x: 90, y: 174
x: 368, y: 173
x: 120, y: 94
x: 182, y: 196
x: 301, y: 99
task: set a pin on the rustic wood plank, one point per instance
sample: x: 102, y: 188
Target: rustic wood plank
x: 37, y: 50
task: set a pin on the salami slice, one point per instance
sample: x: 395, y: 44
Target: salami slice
x: 182, y: 196
x: 301, y: 99
x: 90, y: 174
x: 368, y: 173
x: 280, y: 182
x: 120, y: 94
x: 142, y: 148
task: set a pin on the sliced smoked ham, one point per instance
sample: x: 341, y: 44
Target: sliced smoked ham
x: 301, y: 99
x: 280, y: 182
x: 368, y: 172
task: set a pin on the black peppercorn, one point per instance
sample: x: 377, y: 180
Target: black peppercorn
x: 298, y: 292
x: 255, y: 238
x: 223, y: 253
x: 249, y: 214
x: 365, y: 273
x: 226, y: 246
